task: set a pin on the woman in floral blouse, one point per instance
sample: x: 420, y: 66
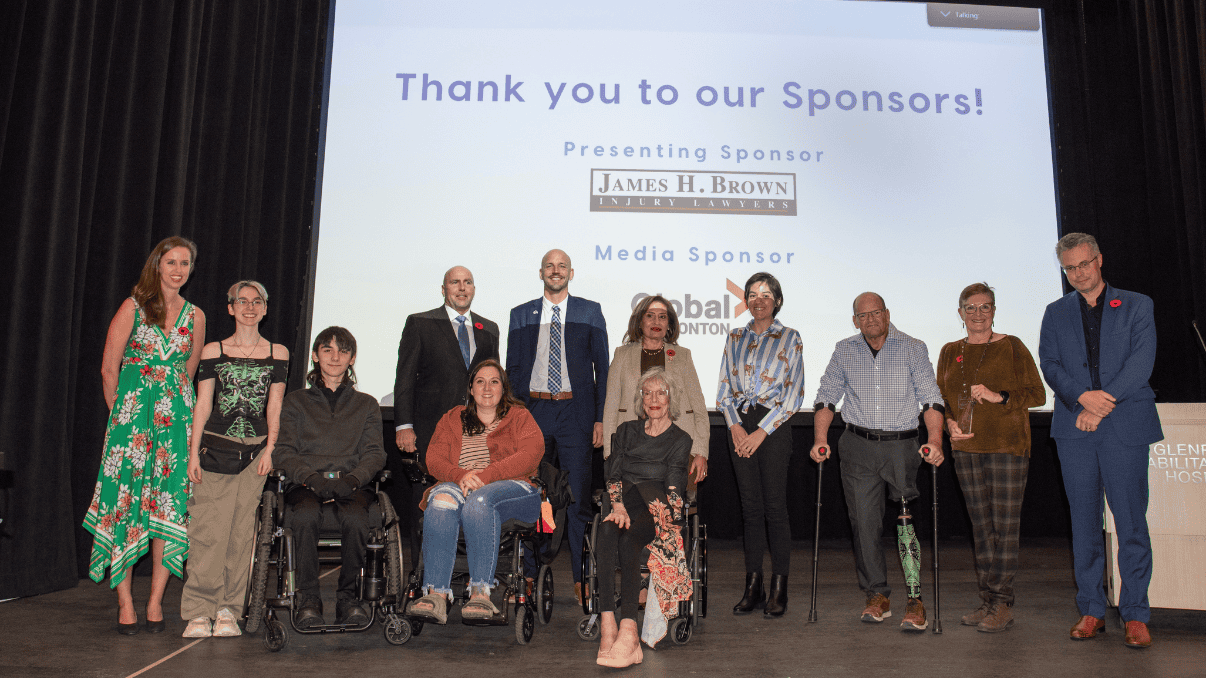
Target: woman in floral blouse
x: 151, y: 353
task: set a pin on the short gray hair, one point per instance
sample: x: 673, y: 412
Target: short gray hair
x: 238, y: 287
x: 654, y: 374
x: 1073, y: 240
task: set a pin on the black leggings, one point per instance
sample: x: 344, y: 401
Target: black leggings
x: 628, y: 545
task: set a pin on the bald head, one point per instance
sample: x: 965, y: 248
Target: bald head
x: 872, y: 295
x: 458, y: 289
x: 556, y: 272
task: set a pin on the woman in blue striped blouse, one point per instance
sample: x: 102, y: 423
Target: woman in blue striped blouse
x: 761, y: 386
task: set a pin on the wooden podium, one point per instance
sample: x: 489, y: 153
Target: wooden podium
x: 1176, y: 512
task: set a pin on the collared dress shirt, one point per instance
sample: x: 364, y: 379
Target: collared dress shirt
x: 540, y: 368
x: 765, y: 369
x: 1090, y: 316
x: 884, y: 391
x: 456, y: 326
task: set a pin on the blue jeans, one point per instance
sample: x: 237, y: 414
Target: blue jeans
x: 481, y: 516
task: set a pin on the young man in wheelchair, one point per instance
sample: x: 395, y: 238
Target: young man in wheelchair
x: 330, y: 448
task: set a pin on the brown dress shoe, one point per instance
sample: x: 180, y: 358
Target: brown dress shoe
x: 999, y: 618
x: 1088, y: 627
x: 1137, y: 634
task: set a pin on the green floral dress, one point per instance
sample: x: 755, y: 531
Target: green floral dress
x: 142, y: 488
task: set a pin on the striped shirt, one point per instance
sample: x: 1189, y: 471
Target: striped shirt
x: 884, y: 391
x: 765, y: 369
x: 475, y: 455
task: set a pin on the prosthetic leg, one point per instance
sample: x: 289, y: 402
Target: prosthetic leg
x: 910, y: 550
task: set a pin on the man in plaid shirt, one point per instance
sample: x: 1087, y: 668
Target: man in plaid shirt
x: 885, y: 378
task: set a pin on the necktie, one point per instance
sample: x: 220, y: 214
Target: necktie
x: 462, y: 335
x: 555, y: 352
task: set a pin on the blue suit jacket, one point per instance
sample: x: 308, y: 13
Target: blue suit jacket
x: 586, y: 355
x: 1128, y: 352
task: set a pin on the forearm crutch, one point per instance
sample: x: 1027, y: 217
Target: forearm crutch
x: 816, y: 543
x: 937, y: 609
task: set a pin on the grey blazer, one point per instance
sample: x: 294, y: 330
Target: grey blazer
x: 622, y: 385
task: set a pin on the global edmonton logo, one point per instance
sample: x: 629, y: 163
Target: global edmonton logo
x: 670, y: 191
x: 701, y: 316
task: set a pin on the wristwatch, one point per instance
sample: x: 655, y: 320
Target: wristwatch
x: 1004, y: 397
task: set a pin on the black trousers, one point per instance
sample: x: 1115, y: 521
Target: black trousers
x: 305, y: 516
x: 762, y: 485
x: 627, y: 546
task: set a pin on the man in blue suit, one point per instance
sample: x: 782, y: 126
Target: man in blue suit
x: 1097, y: 349
x: 557, y: 362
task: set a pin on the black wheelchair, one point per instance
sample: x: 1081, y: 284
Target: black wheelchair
x: 273, y: 561
x: 690, y: 612
x: 518, y: 604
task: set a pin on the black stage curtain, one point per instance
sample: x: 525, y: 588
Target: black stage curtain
x: 122, y: 122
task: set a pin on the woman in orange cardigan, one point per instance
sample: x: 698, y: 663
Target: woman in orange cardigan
x: 483, y: 454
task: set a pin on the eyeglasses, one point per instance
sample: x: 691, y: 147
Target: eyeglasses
x: 659, y: 392
x: 242, y: 303
x: 873, y: 314
x: 982, y: 308
x: 1082, y: 266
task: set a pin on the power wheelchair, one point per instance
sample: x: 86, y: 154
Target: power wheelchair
x: 273, y: 562
x: 690, y: 612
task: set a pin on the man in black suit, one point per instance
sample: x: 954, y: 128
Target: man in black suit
x: 437, y: 350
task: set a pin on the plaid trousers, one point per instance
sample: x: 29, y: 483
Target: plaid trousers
x: 993, y: 486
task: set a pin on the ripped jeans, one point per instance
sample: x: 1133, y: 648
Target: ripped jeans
x: 481, y: 516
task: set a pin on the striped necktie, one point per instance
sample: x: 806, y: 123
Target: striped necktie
x: 555, y: 352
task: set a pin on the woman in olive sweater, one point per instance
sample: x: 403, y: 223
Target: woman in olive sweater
x: 989, y: 381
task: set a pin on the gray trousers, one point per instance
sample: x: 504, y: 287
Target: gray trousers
x: 867, y: 467
x: 220, y: 542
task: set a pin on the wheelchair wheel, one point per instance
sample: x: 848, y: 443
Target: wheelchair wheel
x: 589, y: 627
x: 544, y: 594
x: 265, y: 525
x: 680, y: 630
x: 525, y: 625
x: 397, y: 630
x: 275, y: 637
x: 393, y: 547
x: 590, y: 572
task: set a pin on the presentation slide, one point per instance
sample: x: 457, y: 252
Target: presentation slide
x: 676, y: 148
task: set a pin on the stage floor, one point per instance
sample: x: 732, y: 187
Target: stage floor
x: 73, y: 633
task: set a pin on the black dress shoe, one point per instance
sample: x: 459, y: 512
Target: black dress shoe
x: 156, y: 626
x: 128, y: 629
x: 309, y: 612
x: 776, y: 600
x: 350, y: 612
x: 754, y: 596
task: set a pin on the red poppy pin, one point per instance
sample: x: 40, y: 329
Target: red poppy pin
x: 183, y: 331
x: 670, y: 352
x: 959, y: 359
x: 477, y: 325
x: 1115, y: 303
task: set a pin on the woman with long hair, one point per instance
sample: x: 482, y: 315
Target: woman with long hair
x: 151, y: 354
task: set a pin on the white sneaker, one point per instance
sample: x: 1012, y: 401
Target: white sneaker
x: 226, y: 626
x: 198, y: 628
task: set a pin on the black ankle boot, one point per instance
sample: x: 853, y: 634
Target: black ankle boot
x: 754, y: 596
x: 776, y: 600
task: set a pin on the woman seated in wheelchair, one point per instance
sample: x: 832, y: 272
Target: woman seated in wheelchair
x: 482, y: 454
x: 646, y: 477
x: 330, y: 448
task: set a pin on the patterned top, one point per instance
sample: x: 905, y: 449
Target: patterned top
x: 884, y: 391
x: 765, y: 369
x: 475, y: 455
x: 241, y: 393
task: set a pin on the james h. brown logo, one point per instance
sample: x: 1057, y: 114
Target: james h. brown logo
x: 627, y: 190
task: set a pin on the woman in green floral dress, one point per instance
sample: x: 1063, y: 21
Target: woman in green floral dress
x: 147, y: 375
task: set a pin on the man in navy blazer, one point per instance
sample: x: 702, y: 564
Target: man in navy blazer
x: 557, y: 361
x: 1097, y: 349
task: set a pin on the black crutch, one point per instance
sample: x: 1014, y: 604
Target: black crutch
x: 816, y: 543
x: 937, y: 611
